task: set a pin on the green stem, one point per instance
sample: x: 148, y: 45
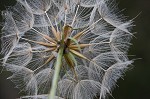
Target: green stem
x: 56, y: 74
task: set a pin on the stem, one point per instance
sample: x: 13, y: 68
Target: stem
x: 56, y: 73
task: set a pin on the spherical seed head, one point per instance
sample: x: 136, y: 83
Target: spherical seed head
x: 95, y: 39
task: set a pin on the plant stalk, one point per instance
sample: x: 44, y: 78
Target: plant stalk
x: 56, y: 74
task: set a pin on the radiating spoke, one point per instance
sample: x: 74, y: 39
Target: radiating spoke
x: 45, y: 36
x: 46, y: 50
x: 56, y: 35
x: 41, y: 43
x: 82, y: 56
x: 75, y: 16
x: 47, y: 61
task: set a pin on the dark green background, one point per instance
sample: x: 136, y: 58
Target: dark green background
x: 136, y: 83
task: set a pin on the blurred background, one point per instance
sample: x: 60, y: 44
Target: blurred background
x: 136, y: 82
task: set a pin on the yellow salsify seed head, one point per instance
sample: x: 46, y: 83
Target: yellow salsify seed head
x: 92, y: 38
